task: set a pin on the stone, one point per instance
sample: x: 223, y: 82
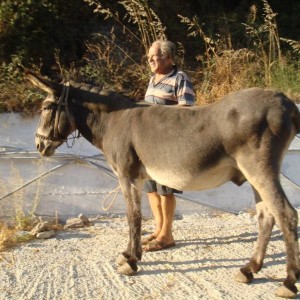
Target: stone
x: 40, y: 227
x: 79, y: 222
x: 45, y: 234
x: 74, y: 223
x: 84, y: 219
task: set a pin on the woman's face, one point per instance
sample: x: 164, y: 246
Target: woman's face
x: 159, y: 63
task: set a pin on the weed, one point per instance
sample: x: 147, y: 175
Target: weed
x: 7, y: 236
x: 117, y: 57
x: 24, y: 218
x: 265, y: 41
x: 225, y: 69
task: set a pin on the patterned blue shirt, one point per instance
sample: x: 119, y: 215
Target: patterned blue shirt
x: 174, y: 88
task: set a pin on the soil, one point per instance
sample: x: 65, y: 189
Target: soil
x: 80, y: 263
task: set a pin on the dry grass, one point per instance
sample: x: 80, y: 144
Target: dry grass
x: 10, y: 236
x: 17, y: 229
x: 118, y: 57
x: 225, y: 69
x: 7, y: 236
x: 17, y: 233
x: 229, y: 71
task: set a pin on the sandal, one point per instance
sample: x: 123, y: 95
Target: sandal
x: 148, y: 238
x: 155, y: 245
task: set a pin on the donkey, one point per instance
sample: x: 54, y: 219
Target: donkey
x: 244, y: 136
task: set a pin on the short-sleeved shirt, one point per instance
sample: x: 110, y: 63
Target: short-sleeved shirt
x: 174, y: 88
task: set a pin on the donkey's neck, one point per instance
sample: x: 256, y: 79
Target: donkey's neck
x: 90, y: 122
x: 92, y: 111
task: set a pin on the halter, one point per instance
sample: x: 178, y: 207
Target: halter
x: 62, y: 101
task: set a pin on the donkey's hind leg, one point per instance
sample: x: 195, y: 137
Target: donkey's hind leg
x: 286, y: 217
x: 287, y: 220
x: 265, y: 225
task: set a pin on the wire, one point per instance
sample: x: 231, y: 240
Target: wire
x: 33, y: 180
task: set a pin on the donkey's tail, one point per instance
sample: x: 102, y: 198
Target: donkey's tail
x: 296, y: 117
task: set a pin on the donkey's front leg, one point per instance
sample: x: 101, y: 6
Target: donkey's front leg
x: 129, y: 258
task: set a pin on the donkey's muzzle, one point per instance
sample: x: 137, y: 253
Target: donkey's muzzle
x: 46, y: 148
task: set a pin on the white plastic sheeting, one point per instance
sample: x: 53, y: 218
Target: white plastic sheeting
x: 78, y: 180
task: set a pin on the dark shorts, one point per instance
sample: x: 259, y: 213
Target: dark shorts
x: 151, y: 186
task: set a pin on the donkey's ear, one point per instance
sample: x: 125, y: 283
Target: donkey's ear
x: 39, y: 82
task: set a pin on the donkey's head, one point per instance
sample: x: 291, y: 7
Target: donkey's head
x: 55, y: 122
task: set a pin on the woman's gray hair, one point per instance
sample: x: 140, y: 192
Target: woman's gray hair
x: 166, y: 47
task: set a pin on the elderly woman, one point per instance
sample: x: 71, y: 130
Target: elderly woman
x: 167, y: 86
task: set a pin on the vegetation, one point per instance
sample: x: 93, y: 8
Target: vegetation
x: 16, y: 228
x: 222, y: 45
x: 10, y: 236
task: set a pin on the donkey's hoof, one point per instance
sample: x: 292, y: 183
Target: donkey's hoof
x: 285, y: 292
x: 126, y: 269
x: 243, y: 278
x: 121, y: 260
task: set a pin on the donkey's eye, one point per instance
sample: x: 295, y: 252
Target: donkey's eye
x: 45, y: 108
x: 48, y: 106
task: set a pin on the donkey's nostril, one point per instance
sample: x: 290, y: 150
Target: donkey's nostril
x: 37, y: 146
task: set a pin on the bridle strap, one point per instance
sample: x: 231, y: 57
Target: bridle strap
x: 62, y: 101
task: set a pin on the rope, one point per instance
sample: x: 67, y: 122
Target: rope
x: 116, y: 191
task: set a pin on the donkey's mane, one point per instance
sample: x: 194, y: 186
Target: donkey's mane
x: 87, y: 87
x: 99, y: 95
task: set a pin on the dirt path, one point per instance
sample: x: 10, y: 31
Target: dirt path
x: 80, y: 264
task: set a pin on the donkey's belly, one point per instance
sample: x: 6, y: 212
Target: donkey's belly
x: 185, y: 180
